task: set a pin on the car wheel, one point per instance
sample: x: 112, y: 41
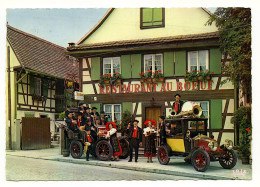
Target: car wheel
x: 163, y: 154
x: 76, y: 149
x: 228, y: 159
x: 200, y: 160
x: 104, y: 150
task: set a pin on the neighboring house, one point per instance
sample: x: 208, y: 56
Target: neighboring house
x: 35, y: 75
x: 172, y: 40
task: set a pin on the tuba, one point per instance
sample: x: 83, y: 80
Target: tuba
x: 189, y: 110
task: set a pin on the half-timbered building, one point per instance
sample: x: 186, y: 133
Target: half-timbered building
x: 36, y: 70
x: 171, y: 40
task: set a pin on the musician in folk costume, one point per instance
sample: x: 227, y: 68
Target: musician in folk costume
x: 177, y: 105
x: 89, y: 144
x: 135, y: 136
x: 71, y: 123
x: 150, y: 135
x: 103, y: 118
x: 81, y: 108
x: 94, y: 114
x: 90, y: 127
x: 162, y: 130
x: 111, y: 134
x: 87, y: 113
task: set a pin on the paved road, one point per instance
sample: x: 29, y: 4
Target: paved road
x: 20, y: 168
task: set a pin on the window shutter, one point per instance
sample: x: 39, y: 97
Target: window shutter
x: 45, y: 86
x: 157, y: 16
x: 32, y: 84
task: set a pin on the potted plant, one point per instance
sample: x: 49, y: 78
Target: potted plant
x: 146, y: 77
x: 117, y: 78
x: 191, y: 76
x: 158, y: 76
x: 105, y: 79
x: 242, y: 119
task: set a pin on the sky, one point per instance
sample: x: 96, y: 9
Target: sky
x: 59, y: 26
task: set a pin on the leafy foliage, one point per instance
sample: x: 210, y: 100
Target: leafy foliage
x: 126, y: 118
x: 234, y: 25
x: 242, y: 117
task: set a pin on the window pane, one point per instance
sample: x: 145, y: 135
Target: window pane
x: 107, y: 66
x: 117, y: 116
x: 204, y: 106
x: 117, y: 108
x: 202, y: 60
x: 193, y: 68
x: 108, y: 108
x: 193, y: 58
x: 106, y: 60
x: 107, y: 71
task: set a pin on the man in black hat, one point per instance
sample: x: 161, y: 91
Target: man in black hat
x: 90, y: 127
x: 162, y: 130
x: 71, y: 124
x: 135, y: 137
x: 103, y: 118
x: 81, y: 108
x: 87, y: 113
x: 94, y: 114
x: 177, y: 105
x: 67, y: 111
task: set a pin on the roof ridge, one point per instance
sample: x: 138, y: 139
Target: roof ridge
x: 33, y: 36
x: 151, y: 39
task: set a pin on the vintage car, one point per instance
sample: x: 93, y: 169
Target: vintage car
x: 102, y: 149
x: 187, y: 137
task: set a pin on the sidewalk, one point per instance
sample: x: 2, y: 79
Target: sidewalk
x: 176, y: 166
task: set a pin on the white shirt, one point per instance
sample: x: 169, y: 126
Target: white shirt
x: 110, y: 132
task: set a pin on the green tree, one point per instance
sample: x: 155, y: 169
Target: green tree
x: 234, y: 26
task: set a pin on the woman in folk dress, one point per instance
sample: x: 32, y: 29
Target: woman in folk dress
x: 117, y: 150
x: 149, y: 148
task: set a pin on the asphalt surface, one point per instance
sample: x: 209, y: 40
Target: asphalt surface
x: 28, y: 169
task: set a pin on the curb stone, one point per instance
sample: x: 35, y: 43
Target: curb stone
x: 134, y: 168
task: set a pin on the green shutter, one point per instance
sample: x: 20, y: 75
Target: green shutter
x: 157, y: 16
x: 136, y: 61
x: 127, y: 106
x: 215, y: 60
x: 216, y: 113
x: 95, y: 68
x: 97, y: 105
x: 168, y: 63
x: 180, y: 63
x: 126, y: 66
x: 45, y: 87
x: 147, y: 15
x: 32, y: 84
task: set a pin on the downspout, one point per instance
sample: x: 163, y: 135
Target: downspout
x: 15, y: 114
x: 9, y: 99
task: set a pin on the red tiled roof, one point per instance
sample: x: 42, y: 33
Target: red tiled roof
x: 125, y: 43
x: 40, y: 55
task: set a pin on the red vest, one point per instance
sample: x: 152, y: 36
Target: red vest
x: 135, y: 133
x: 89, y: 138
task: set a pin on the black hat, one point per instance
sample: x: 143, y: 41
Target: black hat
x: 68, y: 106
x: 80, y: 104
x: 80, y: 113
x: 102, y: 112
x: 177, y: 95
x: 136, y: 121
x: 162, y: 117
x: 86, y: 108
x: 93, y: 108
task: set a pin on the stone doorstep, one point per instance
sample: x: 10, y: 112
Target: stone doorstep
x: 196, y: 175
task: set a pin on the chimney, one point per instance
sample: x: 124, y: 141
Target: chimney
x: 71, y: 44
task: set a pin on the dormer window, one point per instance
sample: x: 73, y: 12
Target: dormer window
x: 152, y: 18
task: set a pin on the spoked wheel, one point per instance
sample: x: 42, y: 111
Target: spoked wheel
x: 163, y: 155
x: 76, y: 149
x: 200, y: 160
x: 104, y: 150
x: 125, y: 148
x: 228, y: 159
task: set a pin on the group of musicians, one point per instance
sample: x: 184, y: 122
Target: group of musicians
x: 88, y: 121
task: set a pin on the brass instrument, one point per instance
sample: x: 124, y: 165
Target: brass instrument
x: 189, y: 110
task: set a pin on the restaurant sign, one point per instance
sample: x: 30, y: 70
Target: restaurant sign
x: 155, y: 87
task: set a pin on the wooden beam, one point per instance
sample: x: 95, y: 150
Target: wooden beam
x: 93, y: 84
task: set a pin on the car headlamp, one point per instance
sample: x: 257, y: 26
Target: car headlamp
x: 213, y: 145
x: 228, y: 144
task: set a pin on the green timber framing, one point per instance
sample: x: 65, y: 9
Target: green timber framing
x: 174, y: 66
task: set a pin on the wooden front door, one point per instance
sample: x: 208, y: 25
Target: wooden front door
x: 152, y: 113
